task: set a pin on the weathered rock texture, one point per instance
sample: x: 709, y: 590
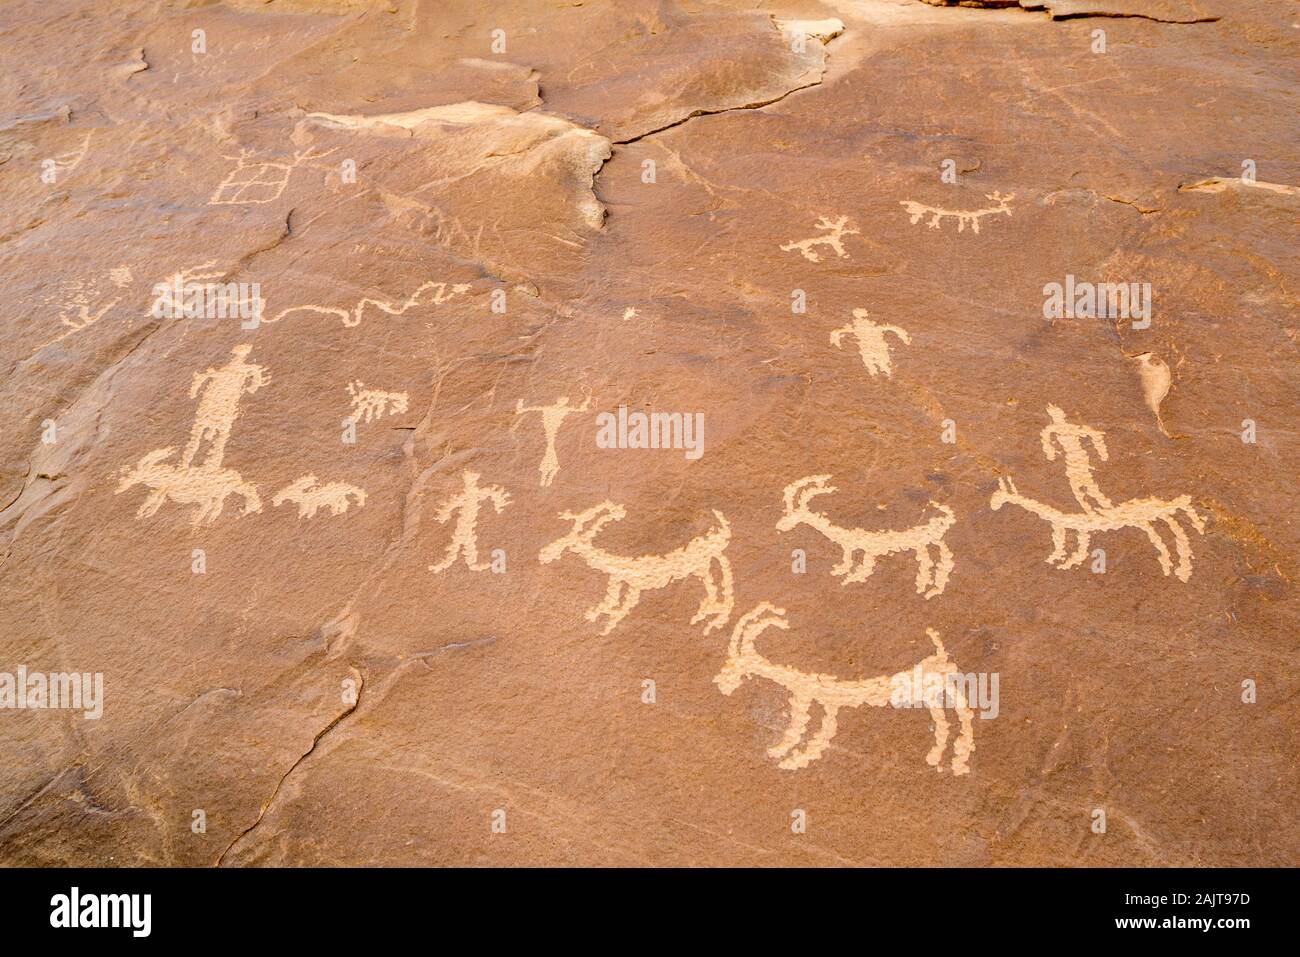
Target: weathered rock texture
x: 617, y: 204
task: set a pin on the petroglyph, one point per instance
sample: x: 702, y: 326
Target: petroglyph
x: 872, y: 345
x: 1154, y: 374
x: 1098, y: 514
x: 930, y: 683
x: 630, y: 575
x: 352, y: 317
x: 205, y: 486
x: 219, y: 405
x: 258, y: 181
x: 932, y: 572
x: 310, y: 497
x: 464, y: 537
x: 370, y: 404
x: 67, y: 162
x: 1217, y: 184
x: 970, y: 216
x: 553, y: 417
x: 838, y: 229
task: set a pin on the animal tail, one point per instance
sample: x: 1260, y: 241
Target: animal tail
x: 723, y: 524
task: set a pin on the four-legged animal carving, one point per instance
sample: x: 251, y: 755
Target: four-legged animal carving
x: 310, y: 497
x: 630, y: 575
x: 932, y: 572
x: 832, y: 694
x: 204, y: 485
x: 1140, y: 513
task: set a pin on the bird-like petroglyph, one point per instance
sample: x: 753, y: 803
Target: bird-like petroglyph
x: 836, y: 231
x: 370, y: 404
x: 442, y: 292
x: 932, y: 572
x: 258, y: 181
x: 1098, y: 513
x: 630, y: 575
x: 972, y: 217
x: 553, y: 417
x: 930, y: 684
x: 872, y: 345
x: 311, y: 497
x: 465, y: 505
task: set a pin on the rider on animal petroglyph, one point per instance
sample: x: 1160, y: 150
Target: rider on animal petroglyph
x: 630, y: 575
x: 839, y: 228
x: 206, y: 486
x: 219, y: 407
x: 1078, y: 466
x: 933, y: 691
x: 871, y: 341
x: 464, y: 537
x: 552, y: 418
x: 932, y: 573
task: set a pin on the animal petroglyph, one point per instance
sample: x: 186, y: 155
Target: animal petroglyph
x: 838, y: 229
x: 932, y: 572
x: 1098, y: 514
x: 630, y: 575
x: 970, y: 216
x: 67, y: 162
x: 369, y: 404
x: 205, y: 486
x: 352, y: 317
x: 872, y: 345
x: 310, y: 497
x: 219, y: 405
x: 258, y: 181
x: 553, y: 417
x: 464, y: 536
x: 929, y: 684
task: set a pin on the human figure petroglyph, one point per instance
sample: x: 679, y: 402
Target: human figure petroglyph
x: 872, y: 345
x: 1078, y: 465
x: 932, y: 572
x: 205, y: 486
x: 368, y: 404
x: 553, y: 417
x: 352, y: 317
x: 971, y: 216
x: 838, y: 229
x: 464, y: 537
x: 260, y: 181
x: 630, y: 575
x: 219, y: 406
x: 310, y: 497
x: 934, y: 690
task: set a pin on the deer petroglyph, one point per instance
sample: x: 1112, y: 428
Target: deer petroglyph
x: 932, y: 572
x: 837, y: 230
x: 972, y: 216
x: 872, y: 345
x: 553, y: 417
x: 310, y: 497
x: 464, y: 536
x: 630, y: 575
x: 928, y: 684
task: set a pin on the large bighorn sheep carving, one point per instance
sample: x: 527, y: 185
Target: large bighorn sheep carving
x: 933, y: 690
x: 932, y: 573
x: 630, y: 575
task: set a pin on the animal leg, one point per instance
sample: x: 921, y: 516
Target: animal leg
x: 1162, y: 550
x: 453, y: 552
x: 816, y: 745
x: 631, y: 596
x: 800, y: 704
x: 1058, y: 543
x: 152, y: 503
x: 610, y: 602
x: 1081, y: 552
x: 1183, y: 547
x: 845, y: 564
x: 940, y: 718
x: 863, y: 571
x: 943, y: 568
x: 924, y: 569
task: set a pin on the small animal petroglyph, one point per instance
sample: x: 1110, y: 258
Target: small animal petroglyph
x: 872, y: 345
x: 553, y: 417
x: 1098, y: 514
x: 929, y: 684
x: 932, y: 572
x: 205, y: 486
x: 368, y: 404
x: 464, y: 537
x: 258, y: 181
x: 972, y: 216
x: 838, y: 229
x: 310, y: 497
x: 352, y: 317
x: 219, y: 406
x: 630, y: 575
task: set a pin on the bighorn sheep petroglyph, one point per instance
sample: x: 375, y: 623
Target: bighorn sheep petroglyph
x: 630, y: 575
x: 927, y: 684
x: 932, y: 573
